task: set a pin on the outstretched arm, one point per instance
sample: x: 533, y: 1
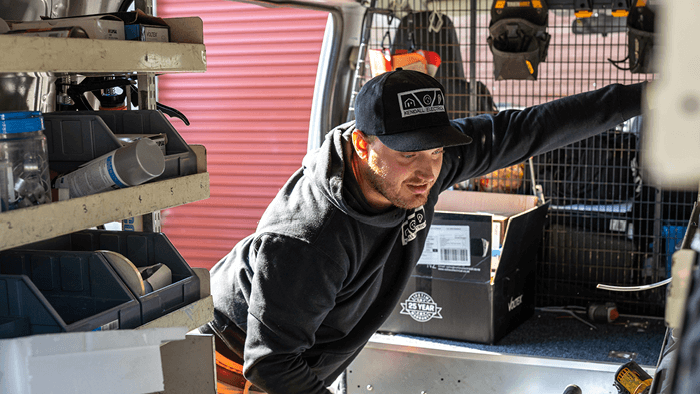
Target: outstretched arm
x: 512, y: 136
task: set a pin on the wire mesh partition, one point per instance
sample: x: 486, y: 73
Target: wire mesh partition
x: 605, y: 225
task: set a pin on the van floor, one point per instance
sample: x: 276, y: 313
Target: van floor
x: 560, y: 335
x: 543, y: 355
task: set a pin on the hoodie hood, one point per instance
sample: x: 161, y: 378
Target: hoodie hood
x: 327, y: 167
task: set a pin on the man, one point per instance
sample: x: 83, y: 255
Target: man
x: 296, y: 301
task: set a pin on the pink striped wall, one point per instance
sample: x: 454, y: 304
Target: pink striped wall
x: 250, y: 109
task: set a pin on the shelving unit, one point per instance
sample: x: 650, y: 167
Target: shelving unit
x: 60, y: 56
x: 30, y: 224
x: 86, y: 56
x: 68, y: 55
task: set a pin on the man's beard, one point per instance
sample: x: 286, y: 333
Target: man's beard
x: 380, y: 185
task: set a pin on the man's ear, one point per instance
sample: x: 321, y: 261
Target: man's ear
x: 359, y: 143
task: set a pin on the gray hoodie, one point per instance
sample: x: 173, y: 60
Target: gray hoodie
x: 323, y: 271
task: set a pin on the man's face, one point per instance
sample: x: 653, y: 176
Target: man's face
x: 403, y: 179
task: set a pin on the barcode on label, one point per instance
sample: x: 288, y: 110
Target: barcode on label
x: 455, y: 255
x: 113, y: 325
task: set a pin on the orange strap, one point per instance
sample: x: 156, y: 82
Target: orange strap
x: 227, y: 364
x: 234, y: 368
x: 119, y: 108
x: 223, y: 388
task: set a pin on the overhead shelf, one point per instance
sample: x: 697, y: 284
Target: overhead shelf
x: 32, y: 224
x: 81, y: 55
x: 184, y: 53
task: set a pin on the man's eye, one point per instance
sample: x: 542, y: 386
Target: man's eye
x: 438, y: 152
x: 408, y: 156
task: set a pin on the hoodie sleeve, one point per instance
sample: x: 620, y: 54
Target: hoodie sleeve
x: 512, y: 136
x: 285, y: 311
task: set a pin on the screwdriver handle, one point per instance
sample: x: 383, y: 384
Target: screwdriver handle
x: 572, y: 389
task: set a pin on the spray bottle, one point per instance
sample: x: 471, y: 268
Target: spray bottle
x: 130, y: 165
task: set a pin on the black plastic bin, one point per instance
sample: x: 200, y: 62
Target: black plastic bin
x: 142, y: 249
x: 75, y: 138
x: 62, y: 291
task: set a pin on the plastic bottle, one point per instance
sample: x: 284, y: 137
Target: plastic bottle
x: 130, y: 165
x: 24, y: 165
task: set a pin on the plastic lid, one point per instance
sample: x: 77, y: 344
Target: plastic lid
x: 139, y: 161
x: 21, y: 122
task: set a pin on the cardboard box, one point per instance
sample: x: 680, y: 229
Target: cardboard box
x: 141, y: 27
x: 475, y: 280
x: 188, y: 30
x: 181, y: 30
x: 150, y: 33
x: 106, y: 27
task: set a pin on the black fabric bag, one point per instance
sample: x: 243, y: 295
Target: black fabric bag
x: 414, y: 32
x: 457, y: 100
x: 640, y: 41
x: 518, y: 40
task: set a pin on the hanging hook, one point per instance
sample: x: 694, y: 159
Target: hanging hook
x: 435, y: 19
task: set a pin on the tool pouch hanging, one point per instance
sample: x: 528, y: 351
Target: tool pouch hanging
x: 640, y: 40
x: 383, y: 60
x: 518, y: 38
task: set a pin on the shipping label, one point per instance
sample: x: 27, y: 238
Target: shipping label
x: 447, y: 245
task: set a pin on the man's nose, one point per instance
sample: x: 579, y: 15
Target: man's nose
x: 426, y: 176
x: 425, y: 170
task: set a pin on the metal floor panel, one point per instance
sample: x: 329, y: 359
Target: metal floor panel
x: 406, y: 365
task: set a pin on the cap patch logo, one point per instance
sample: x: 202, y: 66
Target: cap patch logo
x: 421, y: 101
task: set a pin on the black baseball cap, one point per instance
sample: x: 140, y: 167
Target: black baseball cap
x: 405, y: 109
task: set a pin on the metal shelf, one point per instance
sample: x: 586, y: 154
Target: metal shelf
x: 81, y: 55
x: 46, y: 221
x: 191, y: 316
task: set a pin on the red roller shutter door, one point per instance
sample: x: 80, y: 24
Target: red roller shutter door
x: 250, y: 109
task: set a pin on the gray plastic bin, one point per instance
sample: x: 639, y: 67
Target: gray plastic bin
x: 74, y: 138
x: 62, y: 291
x: 142, y: 249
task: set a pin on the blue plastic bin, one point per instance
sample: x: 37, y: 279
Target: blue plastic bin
x: 62, y: 291
x: 142, y: 249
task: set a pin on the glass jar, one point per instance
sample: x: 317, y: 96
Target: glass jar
x: 24, y: 164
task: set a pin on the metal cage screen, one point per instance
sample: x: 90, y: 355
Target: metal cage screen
x: 605, y: 225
